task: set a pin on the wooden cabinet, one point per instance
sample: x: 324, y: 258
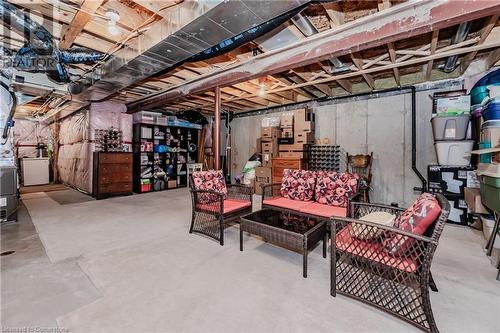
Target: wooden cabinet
x: 282, y: 163
x: 112, y: 174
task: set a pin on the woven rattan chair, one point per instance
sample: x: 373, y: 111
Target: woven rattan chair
x: 211, y: 213
x: 398, y: 285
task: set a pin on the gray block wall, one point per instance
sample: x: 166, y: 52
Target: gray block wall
x: 381, y: 125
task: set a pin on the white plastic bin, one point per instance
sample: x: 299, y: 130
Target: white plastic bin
x: 454, y: 152
x: 450, y: 127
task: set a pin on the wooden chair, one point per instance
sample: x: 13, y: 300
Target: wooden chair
x: 362, y: 165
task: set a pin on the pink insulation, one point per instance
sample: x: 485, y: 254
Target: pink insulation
x: 74, y: 160
x: 27, y: 134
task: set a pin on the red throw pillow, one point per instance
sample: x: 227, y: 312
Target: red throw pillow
x: 416, y: 219
x: 298, y: 184
x: 335, y: 188
x: 212, y: 180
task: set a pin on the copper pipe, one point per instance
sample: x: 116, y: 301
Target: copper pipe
x: 216, y: 132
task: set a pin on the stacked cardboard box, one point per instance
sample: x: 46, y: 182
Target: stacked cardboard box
x: 262, y: 177
x: 269, y: 144
x: 298, y: 124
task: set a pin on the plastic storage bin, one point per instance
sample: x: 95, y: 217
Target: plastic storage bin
x: 454, y: 152
x: 479, y: 94
x: 450, y: 127
x: 491, y: 111
x: 490, y: 192
x: 490, y: 132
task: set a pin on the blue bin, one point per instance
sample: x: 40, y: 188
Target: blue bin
x: 492, y: 110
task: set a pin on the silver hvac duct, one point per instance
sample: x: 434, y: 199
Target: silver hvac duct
x: 308, y: 29
x: 172, y: 42
x: 460, y: 36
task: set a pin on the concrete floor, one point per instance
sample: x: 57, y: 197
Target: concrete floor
x: 128, y: 264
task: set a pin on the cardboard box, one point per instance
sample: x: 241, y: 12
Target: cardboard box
x: 172, y: 183
x: 267, y: 160
x: 294, y: 147
x: 287, y: 133
x: 306, y: 126
x: 258, y: 186
x: 473, y: 200
x: 304, y: 137
x: 302, y: 115
x: 299, y: 154
x: 459, y: 104
x: 270, y: 147
x: 262, y: 172
x: 258, y: 146
x: 269, y: 133
x: 286, y: 120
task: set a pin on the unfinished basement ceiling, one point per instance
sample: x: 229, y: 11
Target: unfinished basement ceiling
x: 402, y: 61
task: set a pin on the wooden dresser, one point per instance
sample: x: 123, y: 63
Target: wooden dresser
x: 112, y: 174
x: 282, y: 163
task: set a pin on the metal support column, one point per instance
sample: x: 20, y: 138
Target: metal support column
x: 216, y: 132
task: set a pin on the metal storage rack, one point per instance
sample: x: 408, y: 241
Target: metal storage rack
x: 325, y: 157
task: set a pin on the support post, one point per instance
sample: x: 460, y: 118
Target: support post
x: 216, y: 132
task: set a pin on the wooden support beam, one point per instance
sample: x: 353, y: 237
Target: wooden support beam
x: 392, y: 55
x: 334, y: 12
x: 80, y: 20
x: 430, y: 64
x: 307, y: 76
x: 398, y: 22
x: 358, y: 62
x: 467, y: 59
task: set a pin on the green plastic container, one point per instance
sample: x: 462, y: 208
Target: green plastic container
x: 478, y: 94
x: 490, y: 192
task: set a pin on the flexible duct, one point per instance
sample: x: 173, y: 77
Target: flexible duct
x: 5, y: 106
x: 308, y: 29
x: 460, y: 36
x: 40, y: 43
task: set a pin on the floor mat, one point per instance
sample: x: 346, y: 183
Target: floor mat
x: 42, y: 188
x: 69, y: 197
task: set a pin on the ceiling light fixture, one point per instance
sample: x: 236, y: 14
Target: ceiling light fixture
x: 113, y: 17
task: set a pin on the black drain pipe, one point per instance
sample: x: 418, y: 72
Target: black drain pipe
x: 414, y: 142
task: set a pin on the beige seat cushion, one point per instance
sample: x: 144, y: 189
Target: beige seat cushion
x: 366, y: 232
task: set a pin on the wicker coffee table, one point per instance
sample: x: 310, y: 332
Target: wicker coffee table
x: 290, y: 230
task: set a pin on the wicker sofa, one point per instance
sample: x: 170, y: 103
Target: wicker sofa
x: 215, y: 204
x: 370, y: 271
x: 321, y: 198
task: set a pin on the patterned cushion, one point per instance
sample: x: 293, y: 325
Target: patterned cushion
x: 345, y: 241
x: 334, y: 188
x: 416, y: 219
x: 212, y: 180
x: 298, y: 184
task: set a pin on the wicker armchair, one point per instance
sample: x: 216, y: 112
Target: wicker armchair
x: 398, y: 285
x: 211, y: 213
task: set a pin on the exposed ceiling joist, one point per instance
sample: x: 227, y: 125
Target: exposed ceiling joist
x: 466, y: 61
x: 358, y: 62
x: 430, y: 64
x: 79, y: 22
x: 392, y: 56
x: 398, y: 22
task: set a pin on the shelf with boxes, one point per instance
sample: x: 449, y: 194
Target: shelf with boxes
x: 162, y: 153
x: 453, y: 144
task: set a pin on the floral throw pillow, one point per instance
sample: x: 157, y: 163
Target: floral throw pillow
x: 416, y: 219
x: 298, y: 184
x: 212, y: 180
x: 335, y: 188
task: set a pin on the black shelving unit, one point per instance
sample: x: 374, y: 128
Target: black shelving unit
x: 161, y: 158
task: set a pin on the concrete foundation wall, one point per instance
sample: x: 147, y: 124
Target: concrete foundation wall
x: 381, y: 125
